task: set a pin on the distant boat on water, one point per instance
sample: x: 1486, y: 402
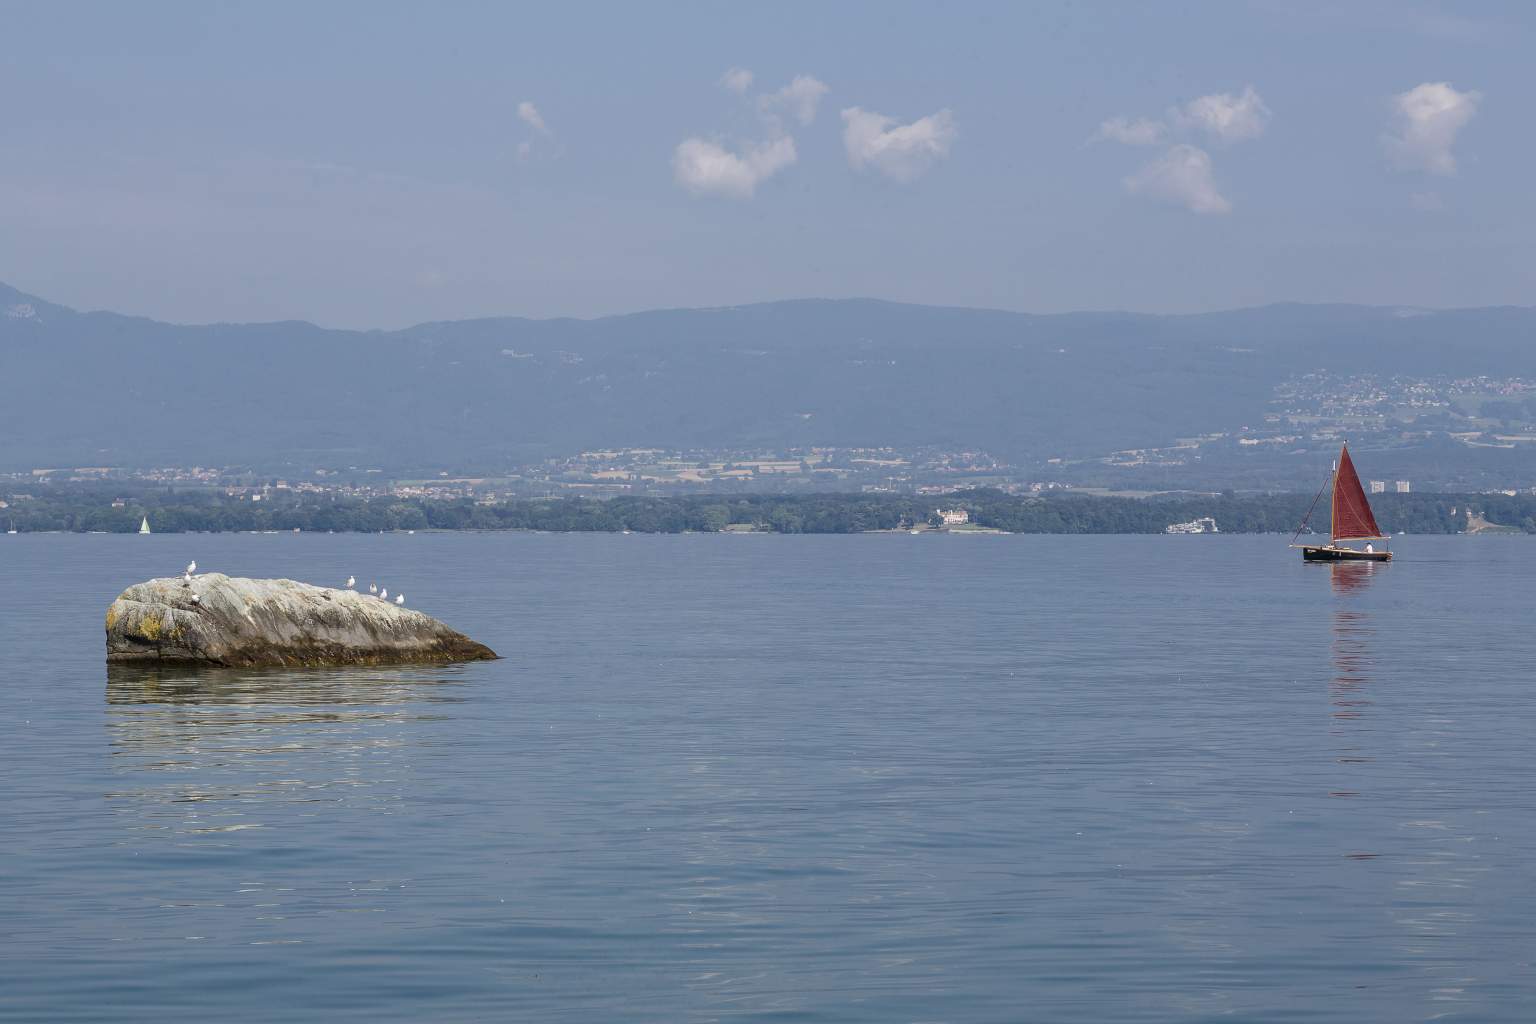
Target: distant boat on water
x: 144, y: 525
x: 13, y: 527
x: 1351, y: 519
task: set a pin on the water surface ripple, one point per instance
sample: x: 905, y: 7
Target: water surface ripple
x: 719, y: 778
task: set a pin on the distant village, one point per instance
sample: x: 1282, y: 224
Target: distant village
x: 1308, y: 415
x: 597, y: 473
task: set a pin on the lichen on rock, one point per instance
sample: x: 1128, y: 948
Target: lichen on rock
x: 247, y: 622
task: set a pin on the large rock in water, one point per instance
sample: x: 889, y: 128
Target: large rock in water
x: 241, y: 622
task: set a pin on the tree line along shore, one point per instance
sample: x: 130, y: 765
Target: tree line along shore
x: 1055, y: 513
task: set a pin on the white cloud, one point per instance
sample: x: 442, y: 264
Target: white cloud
x: 707, y: 168
x: 1140, y: 132
x: 531, y: 116
x: 899, y: 151
x: 713, y: 168
x: 1221, y: 116
x: 1429, y: 117
x: 1181, y: 175
x: 738, y: 80
x: 799, y: 98
x: 1224, y: 117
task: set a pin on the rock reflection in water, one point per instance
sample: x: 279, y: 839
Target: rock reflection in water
x: 202, y: 750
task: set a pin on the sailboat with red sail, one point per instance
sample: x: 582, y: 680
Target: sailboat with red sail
x: 1352, y: 519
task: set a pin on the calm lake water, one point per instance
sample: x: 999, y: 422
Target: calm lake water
x: 870, y: 778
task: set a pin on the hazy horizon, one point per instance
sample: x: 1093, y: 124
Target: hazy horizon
x: 783, y: 300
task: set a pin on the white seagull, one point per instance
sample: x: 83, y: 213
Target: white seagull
x: 196, y: 599
x: 373, y: 588
x: 399, y: 599
x: 351, y: 582
x: 384, y: 594
x: 191, y: 567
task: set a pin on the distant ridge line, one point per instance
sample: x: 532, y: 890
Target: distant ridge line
x: 10, y: 295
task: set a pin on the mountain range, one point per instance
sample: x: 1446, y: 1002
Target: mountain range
x: 100, y: 388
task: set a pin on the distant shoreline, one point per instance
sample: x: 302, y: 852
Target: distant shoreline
x: 1059, y: 513
x: 1309, y: 537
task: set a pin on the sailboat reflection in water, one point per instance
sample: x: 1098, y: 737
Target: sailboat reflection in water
x: 1352, y: 632
x: 1352, y: 658
x: 1351, y: 519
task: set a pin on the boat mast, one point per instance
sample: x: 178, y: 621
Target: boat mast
x: 1333, y: 499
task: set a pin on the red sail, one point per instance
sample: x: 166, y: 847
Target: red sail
x: 1352, y: 519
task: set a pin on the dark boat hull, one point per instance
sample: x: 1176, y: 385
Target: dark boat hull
x: 1331, y: 554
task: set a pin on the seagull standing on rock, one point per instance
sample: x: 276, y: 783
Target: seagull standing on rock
x: 373, y: 588
x: 399, y: 599
x: 384, y: 594
x: 192, y: 567
x: 351, y: 582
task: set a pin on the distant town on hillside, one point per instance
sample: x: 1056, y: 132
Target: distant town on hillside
x: 813, y: 394
x: 1433, y: 433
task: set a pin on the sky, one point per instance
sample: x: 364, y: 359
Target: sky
x: 379, y: 165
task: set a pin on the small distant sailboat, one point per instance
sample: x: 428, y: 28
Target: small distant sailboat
x: 144, y: 525
x: 1352, y: 519
x: 13, y: 527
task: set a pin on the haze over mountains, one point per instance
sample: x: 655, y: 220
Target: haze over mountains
x: 105, y: 389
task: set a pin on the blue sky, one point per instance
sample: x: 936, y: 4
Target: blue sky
x: 369, y: 164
